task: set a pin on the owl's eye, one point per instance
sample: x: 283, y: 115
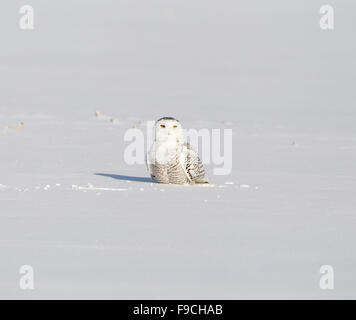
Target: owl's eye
x: 175, y: 127
x: 163, y: 126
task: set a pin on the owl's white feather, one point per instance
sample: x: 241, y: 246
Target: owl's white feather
x: 170, y: 160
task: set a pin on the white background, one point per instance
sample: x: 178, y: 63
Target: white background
x: 263, y: 68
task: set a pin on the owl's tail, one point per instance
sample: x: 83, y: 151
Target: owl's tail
x: 201, y: 179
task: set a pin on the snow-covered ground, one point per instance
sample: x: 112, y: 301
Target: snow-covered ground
x: 94, y: 227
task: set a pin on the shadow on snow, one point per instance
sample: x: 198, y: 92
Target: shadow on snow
x: 125, y: 178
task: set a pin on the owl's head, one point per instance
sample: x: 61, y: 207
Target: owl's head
x: 168, y: 129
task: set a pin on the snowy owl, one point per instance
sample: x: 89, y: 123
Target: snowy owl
x: 170, y: 160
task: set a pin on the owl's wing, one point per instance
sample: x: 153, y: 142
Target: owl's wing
x: 150, y: 165
x: 150, y: 168
x: 193, y: 166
